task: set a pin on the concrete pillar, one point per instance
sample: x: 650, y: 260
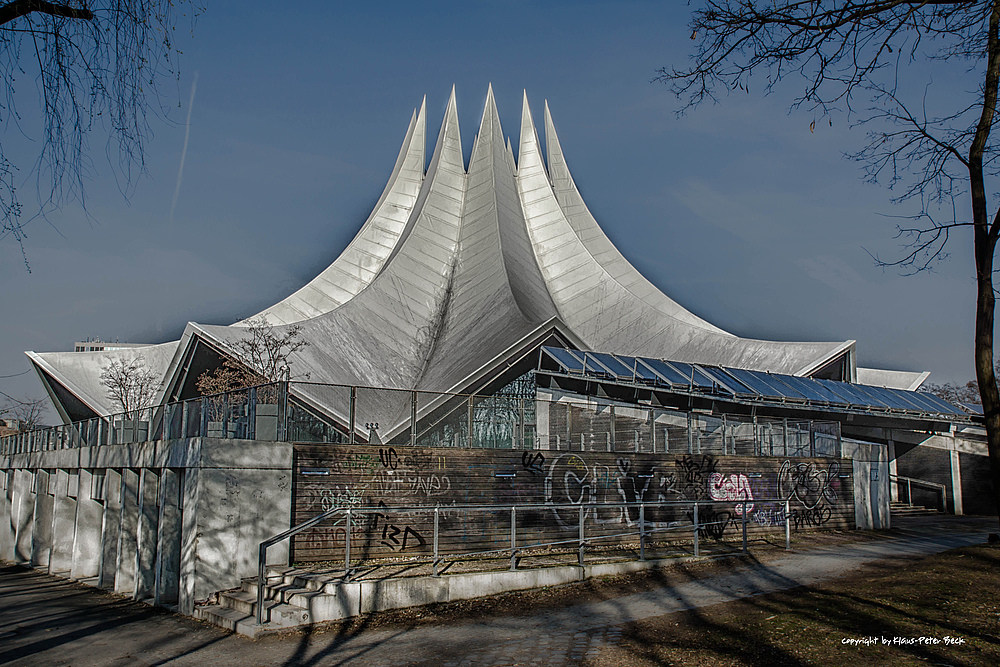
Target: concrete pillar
x: 89, y: 525
x: 146, y: 534
x: 41, y: 534
x: 542, y: 424
x: 168, y: 546
x: 863, y: 518
x: 24, y: 514
x: 111, y: 528
x: 8, y: 522
x: 894, y: 488
x: 64, y: 521
x: 956, y: 482
x: 190, y: 496
x: 125, y: 570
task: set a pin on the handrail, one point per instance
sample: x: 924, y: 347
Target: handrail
x: 294, y: 530
x: 581, y: 538
x: 922, y: 482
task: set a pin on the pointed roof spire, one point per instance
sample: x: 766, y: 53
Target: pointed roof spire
x: 529, y: 154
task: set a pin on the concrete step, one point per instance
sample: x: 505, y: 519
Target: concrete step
x: 903, y: 509
x: 244, y: 622
x: 242, y: 601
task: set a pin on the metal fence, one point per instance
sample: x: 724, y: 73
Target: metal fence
x: 320, y: 413
x: 642, y: 536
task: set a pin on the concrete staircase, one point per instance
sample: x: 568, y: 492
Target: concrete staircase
x: 295, y: 597
x: 292, y: 598
x: 899, y: 509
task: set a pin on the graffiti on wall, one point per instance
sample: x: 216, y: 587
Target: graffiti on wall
x: 564, y: 486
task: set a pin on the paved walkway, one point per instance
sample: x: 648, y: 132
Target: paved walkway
x: 44, y: 620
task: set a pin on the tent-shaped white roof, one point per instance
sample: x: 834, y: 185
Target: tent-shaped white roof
x: 458, y: 271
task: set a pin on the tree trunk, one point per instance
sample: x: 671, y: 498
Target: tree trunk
x: 985, y: 233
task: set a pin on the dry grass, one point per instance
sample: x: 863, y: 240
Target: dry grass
x: 949, y: 595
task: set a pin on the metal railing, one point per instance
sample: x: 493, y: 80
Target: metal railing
x: 309, y: 412
x: 645, y: 529
x: 911, y: 481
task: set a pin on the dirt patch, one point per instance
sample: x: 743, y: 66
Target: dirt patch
x: 939, y: 610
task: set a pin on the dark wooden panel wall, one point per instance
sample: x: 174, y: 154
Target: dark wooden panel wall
x: 820, y: 491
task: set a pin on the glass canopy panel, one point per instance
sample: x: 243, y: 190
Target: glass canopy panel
x: 846, y: 391
x: 811, y: 389
x: 592, y: 366
x: 754, y: 382
x: 728, y: 381
x: 897, y: 399
x: 919, y: 400
x: 873, y: 399
x: 565, y: 358
x: 777, y: 388
x: 610, y: 362
x: 643, y: 372
x: 936, y: 403
x: 973, y: 408
x: 784, y: 389
x: 665, y: 371
x: 692, y: 375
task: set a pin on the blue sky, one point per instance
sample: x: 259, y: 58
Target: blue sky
x: 737, y: 210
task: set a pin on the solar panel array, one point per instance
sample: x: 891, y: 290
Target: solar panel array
x: 745, y: 384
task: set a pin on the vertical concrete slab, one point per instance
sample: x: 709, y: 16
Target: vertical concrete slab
x: 41, y: 542
x: 542, y: 424
x: 146, y: 534
x: 127, y: 544
x: 8, y: 521
x: 862, y: 495
x: 89, y: 525
x: 168, y: 547
x: 111, y: 527
x: 893, y: 487
x: 24, y: 517
x: 956, y: 483
x: 238, y: 509
x: 190, y: 489
x: 64, y: 521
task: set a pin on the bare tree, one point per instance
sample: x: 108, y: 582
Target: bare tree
x: 850, y: 55
x: 262, y: 356
x: 93, y: 62
x: 130, y: 384
x: 27, y: 411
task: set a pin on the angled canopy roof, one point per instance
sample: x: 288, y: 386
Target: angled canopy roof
x: 460, y: 271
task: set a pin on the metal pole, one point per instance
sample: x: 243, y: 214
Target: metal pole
x: 696, y: 530
x: 413, y: 419
x: 642, y: 531
x: 437, y: 522
x: 788, y: 527
x: 347, y: 548
x: 261, y: 580
x: 744, y: 513
x: 469, y: 443
x: 513, y: 537
x: 581, y: 537
x: 354, y: 402
x: 909, y: 493
x: 614, y: 435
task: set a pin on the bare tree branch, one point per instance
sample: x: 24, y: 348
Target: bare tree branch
x: 96, y: 65
x: 850, y: 55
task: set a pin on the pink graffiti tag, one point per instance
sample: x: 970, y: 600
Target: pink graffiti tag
x: 731, y: 487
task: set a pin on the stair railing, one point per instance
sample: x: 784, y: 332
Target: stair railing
x: 740, y: 517
x: 933, y: 486
x: 294, y: 530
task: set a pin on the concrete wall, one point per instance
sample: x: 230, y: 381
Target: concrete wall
x: 871, y: 484
x: 820, y: 492
x: 170, y: 521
